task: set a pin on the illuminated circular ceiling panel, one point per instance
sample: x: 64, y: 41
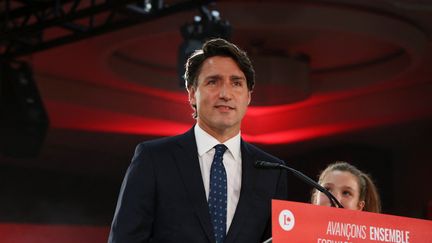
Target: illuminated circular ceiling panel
x: 347, y: 48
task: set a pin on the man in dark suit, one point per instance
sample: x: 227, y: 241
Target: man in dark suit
x: 202, y: 186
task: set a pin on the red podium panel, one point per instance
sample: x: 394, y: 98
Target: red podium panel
x: 301, y: 222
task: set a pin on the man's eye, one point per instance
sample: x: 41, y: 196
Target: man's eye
x: 211, y: 81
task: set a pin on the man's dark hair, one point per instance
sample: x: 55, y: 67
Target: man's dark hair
x: 218, y: 47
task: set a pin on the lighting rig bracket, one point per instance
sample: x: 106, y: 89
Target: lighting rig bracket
x: 28, y: 26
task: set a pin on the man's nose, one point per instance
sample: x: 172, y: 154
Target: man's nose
x: 224, y: 91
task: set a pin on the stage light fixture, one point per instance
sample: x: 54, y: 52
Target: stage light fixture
x: 24, y: 121
x: 146, y: 6
x: 205, y: 26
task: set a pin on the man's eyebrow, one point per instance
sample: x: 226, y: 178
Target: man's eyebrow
x: 217, y: 76
x: 238, y: 77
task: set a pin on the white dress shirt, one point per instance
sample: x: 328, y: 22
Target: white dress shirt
x: 232, y: 163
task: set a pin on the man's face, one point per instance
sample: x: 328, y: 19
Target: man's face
x: 221, y: 96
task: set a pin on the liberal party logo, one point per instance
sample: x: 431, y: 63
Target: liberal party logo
x: 286, y: 220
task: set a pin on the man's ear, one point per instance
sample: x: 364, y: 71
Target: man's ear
x: 191, y: 94
x: 250, y: 97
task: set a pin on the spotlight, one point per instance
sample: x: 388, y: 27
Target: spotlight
x: 205, y: 26
x: 146, y: 6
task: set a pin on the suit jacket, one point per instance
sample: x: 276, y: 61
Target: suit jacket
x: 162, y: 198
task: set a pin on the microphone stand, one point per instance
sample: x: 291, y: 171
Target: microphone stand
x: 301, y: 176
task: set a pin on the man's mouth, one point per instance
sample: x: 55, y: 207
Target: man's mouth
x: 224, y: 107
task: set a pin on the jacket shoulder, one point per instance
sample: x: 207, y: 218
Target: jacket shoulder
x: 165, y: 144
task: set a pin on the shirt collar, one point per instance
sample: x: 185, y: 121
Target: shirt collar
x: 205, y: 142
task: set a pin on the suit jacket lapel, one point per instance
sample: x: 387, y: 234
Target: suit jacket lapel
x: 246, y: 193
x: 190, y: 171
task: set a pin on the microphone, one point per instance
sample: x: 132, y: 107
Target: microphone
x: 272, y: 165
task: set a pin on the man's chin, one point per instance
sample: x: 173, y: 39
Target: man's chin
x: 227, y: 125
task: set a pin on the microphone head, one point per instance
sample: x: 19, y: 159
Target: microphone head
x: 258, y: 164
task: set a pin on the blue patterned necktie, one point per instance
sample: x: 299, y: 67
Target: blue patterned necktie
x: 217, y: 199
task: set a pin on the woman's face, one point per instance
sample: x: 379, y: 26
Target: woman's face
x: 344, y: 186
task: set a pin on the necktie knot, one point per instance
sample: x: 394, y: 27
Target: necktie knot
x: 220, y: 149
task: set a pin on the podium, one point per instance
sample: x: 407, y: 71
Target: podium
x: 301, y: 222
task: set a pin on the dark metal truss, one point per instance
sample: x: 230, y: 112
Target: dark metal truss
x: 28, y: 26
